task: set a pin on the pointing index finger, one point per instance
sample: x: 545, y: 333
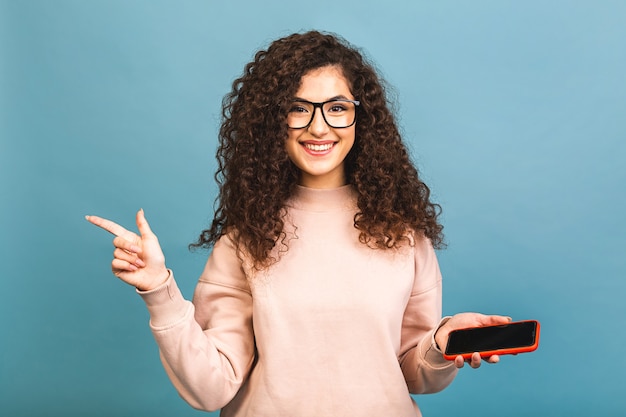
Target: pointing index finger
x: 107, y: 225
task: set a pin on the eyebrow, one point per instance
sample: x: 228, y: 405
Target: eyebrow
x: 339, y: 97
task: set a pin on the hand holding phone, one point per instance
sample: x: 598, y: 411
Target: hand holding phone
x: 502, y: 339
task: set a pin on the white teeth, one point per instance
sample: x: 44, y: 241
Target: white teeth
x: 318, y: 148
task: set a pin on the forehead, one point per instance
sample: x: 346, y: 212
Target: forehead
x: 324, y: 83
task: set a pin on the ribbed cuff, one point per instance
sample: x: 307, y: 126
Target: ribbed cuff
x: 165, y: 303
x: 431, y: 352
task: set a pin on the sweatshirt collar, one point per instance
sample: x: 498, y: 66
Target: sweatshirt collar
x: 324, y: 199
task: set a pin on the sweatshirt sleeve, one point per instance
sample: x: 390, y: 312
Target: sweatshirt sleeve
x: 422, y: 363
x: 207, y: 347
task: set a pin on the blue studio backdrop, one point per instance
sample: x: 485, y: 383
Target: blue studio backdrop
x: 514, y: 111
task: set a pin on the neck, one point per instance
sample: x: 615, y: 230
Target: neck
x: 330, y: 180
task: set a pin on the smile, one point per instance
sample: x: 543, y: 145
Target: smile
x: 318, y: 148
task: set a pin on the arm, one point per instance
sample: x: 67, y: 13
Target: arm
x: 424, y: 334
x: 207, y: 348
x: 422, y: 363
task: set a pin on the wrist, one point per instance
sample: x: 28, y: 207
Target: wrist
x: 441, y: 334
x: 163, y: 277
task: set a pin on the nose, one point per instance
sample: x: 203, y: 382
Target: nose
x: 318, y: 126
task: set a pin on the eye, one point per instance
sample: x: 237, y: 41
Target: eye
x: 299, y: 108
x: 337, y: 107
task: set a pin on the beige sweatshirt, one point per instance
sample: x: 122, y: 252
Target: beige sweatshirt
x: 333, y: 329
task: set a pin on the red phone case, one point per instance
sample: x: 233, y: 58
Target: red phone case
x: 505, y: 351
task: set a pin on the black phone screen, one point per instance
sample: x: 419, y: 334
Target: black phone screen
x: 481, y: 339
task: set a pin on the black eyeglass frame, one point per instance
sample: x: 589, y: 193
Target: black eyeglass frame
x: 320, y: 106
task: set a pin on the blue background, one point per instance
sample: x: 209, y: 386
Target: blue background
x: 513, y: 110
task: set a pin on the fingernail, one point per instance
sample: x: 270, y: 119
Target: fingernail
x: 135, y: 249
x: 140, y: 263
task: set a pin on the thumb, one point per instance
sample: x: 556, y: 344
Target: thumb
x: 495, y: 320
x: 142, y: 224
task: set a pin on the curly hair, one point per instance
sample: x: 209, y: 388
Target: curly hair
x: 256, y: 177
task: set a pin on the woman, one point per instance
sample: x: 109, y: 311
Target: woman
x: 322, y: 295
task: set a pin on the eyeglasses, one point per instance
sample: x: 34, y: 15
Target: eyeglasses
x: 338, y: 114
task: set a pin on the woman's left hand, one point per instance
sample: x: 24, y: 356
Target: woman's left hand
x: 462, y: 321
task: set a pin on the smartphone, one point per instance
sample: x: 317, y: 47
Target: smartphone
x: 504, y: 339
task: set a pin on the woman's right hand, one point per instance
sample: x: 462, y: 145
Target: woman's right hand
x: 138, y: 259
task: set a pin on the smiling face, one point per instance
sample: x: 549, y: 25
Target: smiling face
x: 319, y: 150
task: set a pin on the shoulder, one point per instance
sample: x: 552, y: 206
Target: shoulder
x: 226, y: 264
x: 427, y: 270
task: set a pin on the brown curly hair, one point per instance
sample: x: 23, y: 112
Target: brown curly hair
x: 256, y: 176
